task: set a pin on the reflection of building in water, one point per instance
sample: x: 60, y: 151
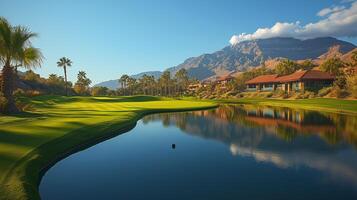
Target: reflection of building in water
x: 264, y: 133
x: 285, y: 114
x: 303, y: 121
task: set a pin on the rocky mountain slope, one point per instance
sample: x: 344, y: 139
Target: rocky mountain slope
x: 253, y: 53
x: 248, y: 54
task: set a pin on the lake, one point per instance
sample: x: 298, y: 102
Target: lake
x: 232, y: 152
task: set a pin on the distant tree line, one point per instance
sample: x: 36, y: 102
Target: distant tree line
x: 165, y: 85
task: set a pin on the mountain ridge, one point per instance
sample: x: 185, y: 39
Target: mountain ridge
x: 249, y: 54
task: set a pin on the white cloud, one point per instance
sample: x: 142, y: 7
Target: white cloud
x: 338, y: 21
x: 327, y: 11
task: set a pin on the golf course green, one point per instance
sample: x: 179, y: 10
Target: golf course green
x: 55, y: 126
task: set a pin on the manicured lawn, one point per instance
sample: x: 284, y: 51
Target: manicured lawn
x: 319, y: 104
x: 57, y: 125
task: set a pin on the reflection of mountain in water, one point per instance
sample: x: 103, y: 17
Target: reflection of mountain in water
x: 280, y: 136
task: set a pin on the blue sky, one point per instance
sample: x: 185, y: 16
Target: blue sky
x: 110, y: 38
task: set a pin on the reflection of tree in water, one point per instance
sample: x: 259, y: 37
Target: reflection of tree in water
x: 249, y: 124
x: 280, y: 136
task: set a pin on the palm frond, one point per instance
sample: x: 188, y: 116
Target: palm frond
x: 5, y: 37
x: 32, y: 57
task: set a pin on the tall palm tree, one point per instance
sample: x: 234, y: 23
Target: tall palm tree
x: 182, y: 79
x: 131, y: 83
x: 165, y: 83
x: 123, y: 81
x: 64, y: 63
x: 15, y: 51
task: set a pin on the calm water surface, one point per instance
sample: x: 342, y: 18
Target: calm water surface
x: 232, y: 152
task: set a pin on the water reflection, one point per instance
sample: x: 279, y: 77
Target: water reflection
x: 284, y: 137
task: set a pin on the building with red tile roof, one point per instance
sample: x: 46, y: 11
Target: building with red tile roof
x: 297, y: 81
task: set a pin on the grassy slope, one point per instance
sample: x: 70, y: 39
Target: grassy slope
x: 319, y: 104
x: 58, y: 125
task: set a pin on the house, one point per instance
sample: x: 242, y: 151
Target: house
x: 298, y: 81
x: 224, y: 79
x: 206, y: 83
x: 194, y: 87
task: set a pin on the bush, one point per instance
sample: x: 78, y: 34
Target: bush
x: 240, y: 95
x: 306, y: 95
x: 324, y: 91
x: 99, y: 91
x: 19, y: 92
x: 340, y: 82
x: 352, y: 85
x: 338, y: 92
x: 3, y: 102
x: 268, y: 95
x: 279, y: 93
x: 285, y: 95
x: 32, y: 93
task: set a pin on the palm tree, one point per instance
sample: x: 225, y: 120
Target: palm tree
x: 123, y: 81
x: 131, y: 85
x: 151, y: 82
x: 64, y: 63
x: 15, y: 51
x: 182, y: 79
x: 165, y: 83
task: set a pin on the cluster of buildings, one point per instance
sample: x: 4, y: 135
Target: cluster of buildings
x: 298, y: 81
x: 221, y: 81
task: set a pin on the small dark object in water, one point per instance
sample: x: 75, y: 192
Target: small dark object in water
x: 173, y: 146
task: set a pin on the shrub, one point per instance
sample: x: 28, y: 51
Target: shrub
x: 338, y: 92
x: 32, y: 93
x: 279, y: 93
x: 352, y: 85
x: 270, y: 94
x: 285, y: 95
x: 3, y: 102
x: 19, y: 92
x: 99, y: 91
x: 340, y: 82
x: 305, y: 95
x: 240, y: 95
x: 309, y: 95
x: 324, y: 91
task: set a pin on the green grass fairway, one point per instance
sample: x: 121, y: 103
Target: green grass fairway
x: 58, y: 125
x: 319, y: 104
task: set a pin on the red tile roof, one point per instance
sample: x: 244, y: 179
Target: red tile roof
x: 263, y: 79
x: 224, y: 78
x: 298, y: 75
x: 291, y: 77
x: 317, y: 75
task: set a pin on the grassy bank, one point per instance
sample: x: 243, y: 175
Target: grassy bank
x: 318, y: 104
x: 57, y: 126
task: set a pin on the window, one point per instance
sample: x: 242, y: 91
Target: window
x: 269, y: 85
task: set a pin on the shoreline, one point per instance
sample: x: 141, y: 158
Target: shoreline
x: 347, y: 107
x: 24, y: 177
x: 31, y: 168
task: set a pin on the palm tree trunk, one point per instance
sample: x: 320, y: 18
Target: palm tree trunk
x: 7, y: 87
x: 65, y: 79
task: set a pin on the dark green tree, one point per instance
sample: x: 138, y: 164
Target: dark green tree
x: 65, y: 63
x: 15, y: 51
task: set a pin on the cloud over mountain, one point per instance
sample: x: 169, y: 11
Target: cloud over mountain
x: 336, y: 21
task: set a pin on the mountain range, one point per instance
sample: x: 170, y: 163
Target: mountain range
x: 249, y: 54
